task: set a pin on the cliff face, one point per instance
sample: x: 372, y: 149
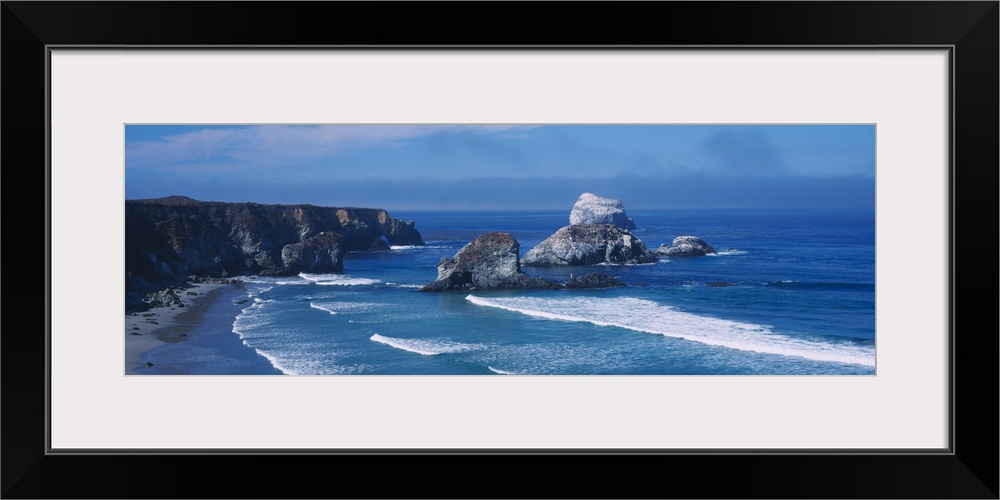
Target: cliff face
x: 168, y: 239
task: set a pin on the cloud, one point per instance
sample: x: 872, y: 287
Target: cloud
x: 270, y: 146
x: 744, y: 152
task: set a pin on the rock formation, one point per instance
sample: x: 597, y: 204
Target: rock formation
x: 686, y: 246
x: 588, y: 244
x: 323, y: 253
x: 489, y: 262
x: 592, y: 209
x: 592, y: 280
x: 169, y: 239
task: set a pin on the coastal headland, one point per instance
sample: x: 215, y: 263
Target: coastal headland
x: 169, y: 240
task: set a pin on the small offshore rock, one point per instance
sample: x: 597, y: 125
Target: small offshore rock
x: 686, y: 246
x: 380, y: 245
x: 592, y: 280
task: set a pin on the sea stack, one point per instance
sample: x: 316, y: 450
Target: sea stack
x: 489, y: 262
x: 588, y: 244
x: 686, y: 246
x: 593, y: 209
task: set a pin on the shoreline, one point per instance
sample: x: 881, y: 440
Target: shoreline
x: 159, y: 326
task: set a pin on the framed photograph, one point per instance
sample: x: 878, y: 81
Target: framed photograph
x: 801, y: 313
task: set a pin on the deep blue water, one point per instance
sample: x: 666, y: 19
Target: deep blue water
x: 802, y: 301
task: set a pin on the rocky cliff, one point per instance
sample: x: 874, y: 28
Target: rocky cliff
x: 168, y: 239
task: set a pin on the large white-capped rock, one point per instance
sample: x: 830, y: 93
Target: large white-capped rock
x: 593, y: 209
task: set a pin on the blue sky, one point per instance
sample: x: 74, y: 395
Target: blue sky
x: 513, y: 167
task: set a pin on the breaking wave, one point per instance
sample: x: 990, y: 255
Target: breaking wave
x: 651, y: 317
x: 425, y: 347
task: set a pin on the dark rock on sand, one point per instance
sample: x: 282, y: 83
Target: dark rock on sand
x: 163, y: 298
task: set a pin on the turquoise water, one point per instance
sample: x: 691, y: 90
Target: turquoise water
x: 800, y: 300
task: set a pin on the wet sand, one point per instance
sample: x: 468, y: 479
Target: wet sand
x: 147, y: 330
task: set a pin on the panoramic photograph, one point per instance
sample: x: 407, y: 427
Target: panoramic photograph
x: 499, y: 249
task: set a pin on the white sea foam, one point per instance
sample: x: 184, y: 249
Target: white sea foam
x: 347, y: 307
x: 259, y: 290
x: 500, y: 372
x: 731, y: 251
x: 400, y: 285
x: 350, y: 282
x: 336, y: 280
x: 651, y: 317
x: 414, y: 247
x: 425, y: 347
x: 322, y: 307
x: 627, y: 264
x: 275, y: 363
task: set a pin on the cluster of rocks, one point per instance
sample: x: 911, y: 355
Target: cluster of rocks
x: 171, y: 297
x: 165, y: 298
x: 589, y: 244
x: 592, y: 280
x: 599, y: 233
x: 491, y: 262
x: 209, y: 279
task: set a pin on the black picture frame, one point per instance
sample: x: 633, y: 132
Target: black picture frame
x: 969, y: 28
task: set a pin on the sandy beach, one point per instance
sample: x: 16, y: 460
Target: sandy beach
x: 158, y: 326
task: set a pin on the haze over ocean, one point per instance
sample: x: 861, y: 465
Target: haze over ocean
x: 503, y: 168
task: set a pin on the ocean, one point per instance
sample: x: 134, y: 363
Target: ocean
x: 790, y: 293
